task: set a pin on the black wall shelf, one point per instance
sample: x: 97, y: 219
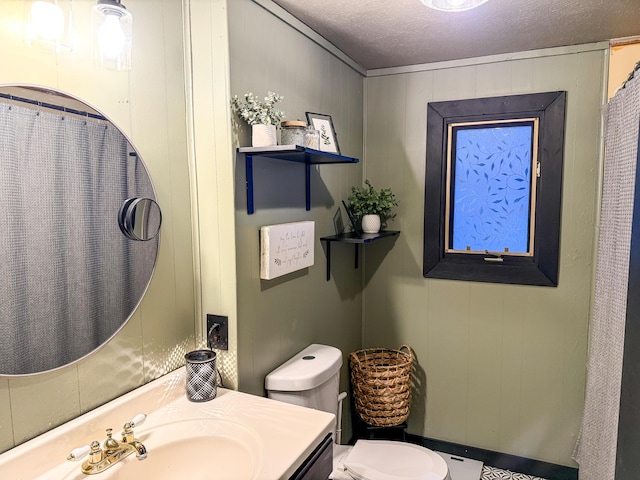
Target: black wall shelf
x: 289, y: 153
x: 352, y: 237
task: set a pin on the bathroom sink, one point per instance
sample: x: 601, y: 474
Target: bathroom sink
x: 235, y: 436
x: 194, y: 449
x: 200, y: 458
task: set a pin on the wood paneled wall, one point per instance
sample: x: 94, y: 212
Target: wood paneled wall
x: 500, y: 367
x: 278, y: 318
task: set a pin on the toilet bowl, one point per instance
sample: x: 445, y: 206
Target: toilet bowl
x: 311, y: 379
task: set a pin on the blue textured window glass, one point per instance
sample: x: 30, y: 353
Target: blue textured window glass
x: 490, y: 203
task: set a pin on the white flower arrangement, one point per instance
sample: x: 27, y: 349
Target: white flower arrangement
x: 255, y: 111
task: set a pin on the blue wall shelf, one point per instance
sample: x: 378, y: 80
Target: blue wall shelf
x: 289, y: 153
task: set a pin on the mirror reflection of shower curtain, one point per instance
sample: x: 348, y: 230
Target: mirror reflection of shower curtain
x: 596, y: 448
x: 65, y: 263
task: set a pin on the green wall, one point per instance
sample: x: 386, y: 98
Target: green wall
x: 278, y: 318
x: 500, y: 367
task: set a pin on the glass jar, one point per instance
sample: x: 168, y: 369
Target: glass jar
x: 312, y: 138
x: 293, y: 132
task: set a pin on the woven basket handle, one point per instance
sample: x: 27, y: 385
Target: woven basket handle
x: 353, y: 356
x: 408, y: 348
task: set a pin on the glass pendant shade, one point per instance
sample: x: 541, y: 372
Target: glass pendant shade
x: 453, y: 5
x: 49, y: 24
x: 112, y: 29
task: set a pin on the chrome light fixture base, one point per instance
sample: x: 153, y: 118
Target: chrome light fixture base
x: 453, y: 5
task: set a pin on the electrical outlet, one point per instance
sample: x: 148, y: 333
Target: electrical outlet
x: 217, y: 332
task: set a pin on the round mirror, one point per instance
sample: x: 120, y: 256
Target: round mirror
x: 71, y: 278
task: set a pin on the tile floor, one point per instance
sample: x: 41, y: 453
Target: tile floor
x: 492, y: 473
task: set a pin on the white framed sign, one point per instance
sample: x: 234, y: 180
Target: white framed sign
x: 285, y: 248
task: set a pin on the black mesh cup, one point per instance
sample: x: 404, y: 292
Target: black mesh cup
x: 202, y: 384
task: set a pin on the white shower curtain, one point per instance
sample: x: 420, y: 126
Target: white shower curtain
x: 597, y: 445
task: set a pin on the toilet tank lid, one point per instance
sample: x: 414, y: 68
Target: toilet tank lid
x: 306, y: 370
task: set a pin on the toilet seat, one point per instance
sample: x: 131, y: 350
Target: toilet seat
x: 389, y: 460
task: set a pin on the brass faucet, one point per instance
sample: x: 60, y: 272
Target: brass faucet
x: 112, y: 451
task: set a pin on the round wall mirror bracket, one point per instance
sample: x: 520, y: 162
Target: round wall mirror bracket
x: 140, y: 219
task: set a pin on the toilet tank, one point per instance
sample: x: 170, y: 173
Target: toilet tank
x: 309, y: 379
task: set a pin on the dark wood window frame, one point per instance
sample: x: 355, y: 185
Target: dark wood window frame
x: 542, y: 267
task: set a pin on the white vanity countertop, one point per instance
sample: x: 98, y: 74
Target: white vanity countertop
x: 286, y: 434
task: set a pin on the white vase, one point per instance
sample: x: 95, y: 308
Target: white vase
x: 263, y: 135
x: 371, y: 223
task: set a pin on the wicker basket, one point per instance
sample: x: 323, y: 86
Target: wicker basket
x: 381, y: 380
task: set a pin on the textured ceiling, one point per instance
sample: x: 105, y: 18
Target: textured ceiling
x: 391, y: 33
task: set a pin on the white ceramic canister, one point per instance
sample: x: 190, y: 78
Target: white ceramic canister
x: 292, y: 132
x: 263, y: 135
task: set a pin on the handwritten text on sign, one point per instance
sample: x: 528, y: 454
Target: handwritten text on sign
x: 285, y: 248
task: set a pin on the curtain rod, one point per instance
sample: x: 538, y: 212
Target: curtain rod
x: 52, y: 106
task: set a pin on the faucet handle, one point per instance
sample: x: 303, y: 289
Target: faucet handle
x: 127, y: 429
x: 138, y: 420
x: 79, y: 453
x: 94, y: 451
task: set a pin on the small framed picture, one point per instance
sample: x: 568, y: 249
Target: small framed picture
x: 324, y: 125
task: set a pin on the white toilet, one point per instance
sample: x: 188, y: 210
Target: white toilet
x: 311, y: 379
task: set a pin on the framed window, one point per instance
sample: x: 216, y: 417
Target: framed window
x: 493, y: 189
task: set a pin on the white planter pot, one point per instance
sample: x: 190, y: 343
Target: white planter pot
x: 263, y: 135
x: 371, y: 223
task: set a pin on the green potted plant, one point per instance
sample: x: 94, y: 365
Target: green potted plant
x: 262, y: 115
x: 370, y: 207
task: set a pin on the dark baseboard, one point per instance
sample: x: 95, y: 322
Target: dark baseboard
x: 549, y: 471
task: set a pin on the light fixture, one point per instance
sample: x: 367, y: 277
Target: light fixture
x: 112, y: 28
x: 50, y: 25
x: 453, y: 5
